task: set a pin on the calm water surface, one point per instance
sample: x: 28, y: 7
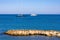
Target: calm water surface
x: 40, y: 22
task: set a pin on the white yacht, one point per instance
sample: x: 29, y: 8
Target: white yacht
x: 33, y: 14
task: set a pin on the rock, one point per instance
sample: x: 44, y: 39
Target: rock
x: 58, y: 34
x: 33, y: 32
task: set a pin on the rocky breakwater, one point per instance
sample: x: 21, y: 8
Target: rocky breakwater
x: 32, y: 32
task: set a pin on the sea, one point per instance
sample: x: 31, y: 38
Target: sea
x: 27, y: 22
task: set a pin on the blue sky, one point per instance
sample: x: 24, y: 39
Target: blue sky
x: 30, y: 6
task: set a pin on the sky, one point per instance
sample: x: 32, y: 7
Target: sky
x: 30, y: 6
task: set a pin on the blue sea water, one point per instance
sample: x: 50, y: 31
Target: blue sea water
x: 40, y: 22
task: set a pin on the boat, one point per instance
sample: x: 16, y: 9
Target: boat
x: 20, y: 15
x: 33, y: 14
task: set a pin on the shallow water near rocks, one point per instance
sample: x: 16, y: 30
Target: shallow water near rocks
x: 7, y: 37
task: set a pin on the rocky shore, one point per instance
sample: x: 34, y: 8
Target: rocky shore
x: 33, y: 32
